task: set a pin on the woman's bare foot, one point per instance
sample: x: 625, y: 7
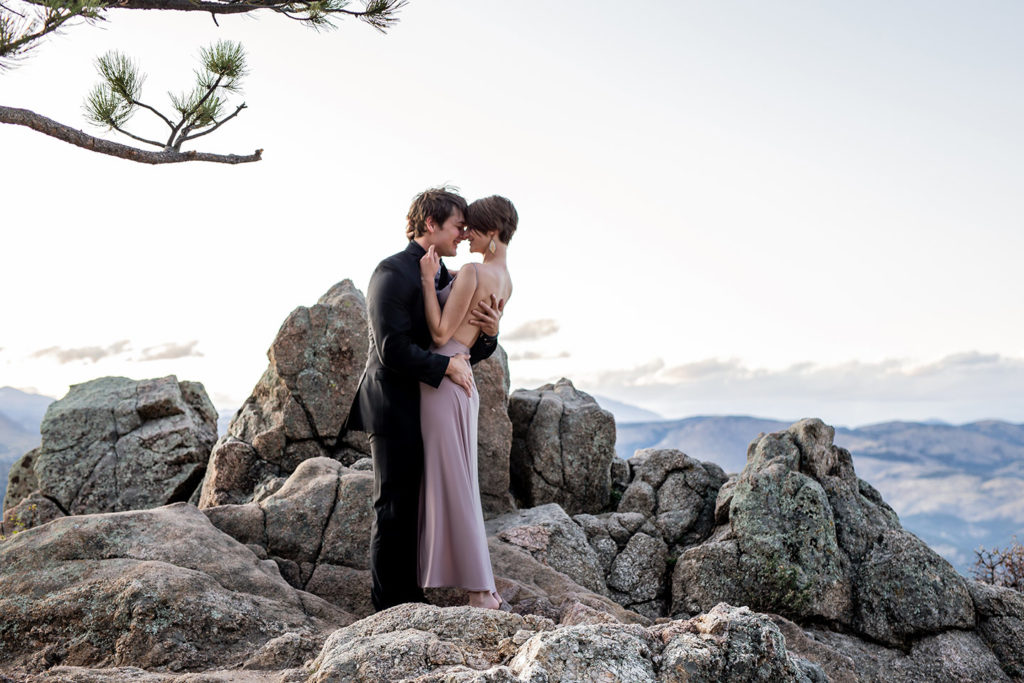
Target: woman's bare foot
x: 483, y: 599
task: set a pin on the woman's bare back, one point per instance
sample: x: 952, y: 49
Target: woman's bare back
x: 491, y: 278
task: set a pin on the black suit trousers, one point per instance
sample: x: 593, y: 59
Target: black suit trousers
x: 394, y: 536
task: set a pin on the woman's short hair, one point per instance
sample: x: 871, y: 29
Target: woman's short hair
x: 493, y: 213
x: 438, y: 203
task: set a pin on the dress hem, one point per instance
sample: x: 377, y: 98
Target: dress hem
x: 448, y: 585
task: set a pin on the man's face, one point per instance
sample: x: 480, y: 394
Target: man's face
x: 446, y: 238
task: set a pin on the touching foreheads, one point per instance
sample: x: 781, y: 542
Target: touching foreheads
x: 438, y: 203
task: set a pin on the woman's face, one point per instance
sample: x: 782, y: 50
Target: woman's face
x: 478, y: 241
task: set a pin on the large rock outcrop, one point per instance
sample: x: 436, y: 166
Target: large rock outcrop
x: 676, y: 492
x: 316, y: 528
x: 668, y: 505
x: 804, y: 537
x: 951, y: 656
x: 299, y: 406
x: 551, y: 537
x: 632, y: 557
x: 158, y: 589
x: 250, y: 587
x: 563, y: 444
x: 426, y: 643
x: 115, y: 444
x: 412, y: 640
x: 1001, y: 624
x: 494, y: 433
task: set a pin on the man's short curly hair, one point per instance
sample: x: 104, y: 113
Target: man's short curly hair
x: 493, y: 213
x: 438, y: 203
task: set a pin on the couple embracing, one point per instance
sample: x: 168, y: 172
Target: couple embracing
x: 418, y: 401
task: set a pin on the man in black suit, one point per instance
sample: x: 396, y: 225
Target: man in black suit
x: 387, y: 402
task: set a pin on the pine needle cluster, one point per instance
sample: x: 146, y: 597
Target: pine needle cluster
x: 24, y: 24
x: 321, y: 14
x: 199, y: 111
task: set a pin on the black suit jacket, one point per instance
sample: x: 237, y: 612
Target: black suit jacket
x: 388, y: 397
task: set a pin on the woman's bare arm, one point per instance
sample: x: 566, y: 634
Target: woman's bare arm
x: 443, y: 324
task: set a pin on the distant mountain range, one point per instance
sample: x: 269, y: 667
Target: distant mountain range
x: 25, y: 409
x: 20, y: 416
x: 625, y: 412
x: 15, y: 440
x: 957, y: 487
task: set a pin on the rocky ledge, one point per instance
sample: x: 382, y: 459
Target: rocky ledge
x: 659, y: 568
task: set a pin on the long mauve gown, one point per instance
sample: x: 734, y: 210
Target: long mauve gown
x: 452, y: 541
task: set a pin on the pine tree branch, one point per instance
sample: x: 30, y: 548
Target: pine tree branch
x: 202, y: 100
x: 122, y: 131
x: 46, y: 126
x: 155, y: 111
x: 220, y: 123
x: 229, y: 7
x: 49, y: 26
x: 187, y: 115
x: 5, y: 7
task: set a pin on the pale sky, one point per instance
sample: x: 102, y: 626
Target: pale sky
x: 784, y: 209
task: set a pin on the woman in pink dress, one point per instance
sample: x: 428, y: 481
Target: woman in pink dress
x: 452, y: 541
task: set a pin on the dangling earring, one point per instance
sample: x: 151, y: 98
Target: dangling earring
x: 492, y: 247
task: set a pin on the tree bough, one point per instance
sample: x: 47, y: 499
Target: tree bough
x: 114, y: 101
x: 55, y: 129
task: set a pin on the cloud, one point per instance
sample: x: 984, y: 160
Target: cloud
x: 532, y: 329
x: 536, y: 355
x: 94, y: 354
x: 171, y: 350
x: 951, y: 553
x: 638, y: 375
x: 220, y: 398
x: 960, y: 361
x: 712, y: 367
x: 89, y: 353
x: 887, y: 379
x: 959, y: 388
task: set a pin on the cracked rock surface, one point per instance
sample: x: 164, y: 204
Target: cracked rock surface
x: 803, y: 536
x: 156, y: 589
x: 494, y: 433
x: 551, y: 537
x: 668, y: 505
x: 427, y: 643
x: 1001, y: 624
x: 316, y: 528
x: 300, y: 404
x: 115, y: 444
x: 563, y: 444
